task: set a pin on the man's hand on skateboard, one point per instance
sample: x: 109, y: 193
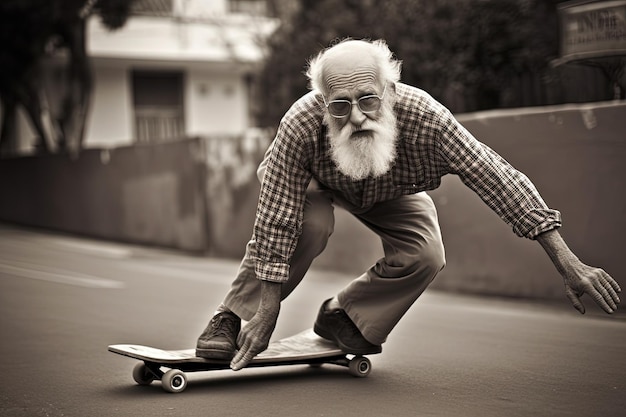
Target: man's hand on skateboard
x: 254, y: 337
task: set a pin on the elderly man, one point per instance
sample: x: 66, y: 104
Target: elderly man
x: 373, y: 146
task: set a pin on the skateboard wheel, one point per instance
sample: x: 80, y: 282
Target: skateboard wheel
x: 142, y: 375
x: 360, y: 366
x: 174, y: 381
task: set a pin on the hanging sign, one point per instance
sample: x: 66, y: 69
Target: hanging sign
x: 592, y: 29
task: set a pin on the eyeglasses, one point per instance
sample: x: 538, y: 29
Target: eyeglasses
x: 367, y: 104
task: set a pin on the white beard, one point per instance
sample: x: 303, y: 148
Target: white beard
x: 373, y: 154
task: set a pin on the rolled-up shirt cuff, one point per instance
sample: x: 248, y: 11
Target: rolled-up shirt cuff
x: 272, y: 271
x: 536, y: 222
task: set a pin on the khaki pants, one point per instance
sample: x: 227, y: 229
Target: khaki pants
x: 413, y: 255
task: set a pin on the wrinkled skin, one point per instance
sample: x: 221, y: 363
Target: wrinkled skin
x: 254, y: 337
x: 578, y: 277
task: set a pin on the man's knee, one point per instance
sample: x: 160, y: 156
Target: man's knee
x: 425, y: 261
x: 432, y: 257
x: 316, y: 230
x: 318, y: 221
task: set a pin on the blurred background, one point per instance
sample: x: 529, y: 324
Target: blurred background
x: 143, y: 121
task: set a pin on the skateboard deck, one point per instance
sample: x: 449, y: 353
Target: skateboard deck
x: 303, y: 348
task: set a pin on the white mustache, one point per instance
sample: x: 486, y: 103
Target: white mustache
x: 367, y: 126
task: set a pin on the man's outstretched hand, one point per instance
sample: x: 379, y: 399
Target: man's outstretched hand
x: 578, y: 277
x: 254, y: 337
x: 599, y: 285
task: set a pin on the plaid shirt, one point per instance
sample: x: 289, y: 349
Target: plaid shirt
x: 431, y: 144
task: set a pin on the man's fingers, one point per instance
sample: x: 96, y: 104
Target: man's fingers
x: 573, y: 297
x: 248, y: 349
x: 613, y: 287
x: 606, y: 294
x: 611, y: 282
x: 241, y: 361
x: 600, y: 297
x: 242, y: 358
x: 613, y: 292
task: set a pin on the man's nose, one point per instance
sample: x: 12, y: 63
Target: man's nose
x: 357, y: 117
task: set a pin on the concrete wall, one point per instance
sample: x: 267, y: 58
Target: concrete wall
x: 143, y: 194
x: 232, y: 190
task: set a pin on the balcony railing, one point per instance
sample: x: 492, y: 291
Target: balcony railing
x: 158, y: 124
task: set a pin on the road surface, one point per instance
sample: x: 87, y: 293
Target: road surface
x: 63, y: 300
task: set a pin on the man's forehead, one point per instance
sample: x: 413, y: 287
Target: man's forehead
x: 350, y: 65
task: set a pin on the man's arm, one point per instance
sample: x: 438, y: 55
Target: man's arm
x: 254, y: 337
x: 515, y: 199
x: 578, y: 277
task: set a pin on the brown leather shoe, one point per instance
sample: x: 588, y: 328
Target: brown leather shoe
x: 219, y: 339
x: 335, y: 325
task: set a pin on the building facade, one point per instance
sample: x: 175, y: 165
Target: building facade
x: 176, y: 68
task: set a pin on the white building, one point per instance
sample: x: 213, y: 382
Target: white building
x: 176, y: 68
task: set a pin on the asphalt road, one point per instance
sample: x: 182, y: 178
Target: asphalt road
x: 63, y: 300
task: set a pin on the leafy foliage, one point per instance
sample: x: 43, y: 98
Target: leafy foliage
x: 473, y: 46
x: 29, y: 31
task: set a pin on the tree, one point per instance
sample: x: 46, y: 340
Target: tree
x: 474, y: 46
x: 33, y: 31
x: 502, y: 40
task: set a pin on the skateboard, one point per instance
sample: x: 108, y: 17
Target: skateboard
x: 305, y: 348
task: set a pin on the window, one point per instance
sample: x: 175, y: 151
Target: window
x: 152, y: 7
x: 249, y: 7
x: 158, y: 105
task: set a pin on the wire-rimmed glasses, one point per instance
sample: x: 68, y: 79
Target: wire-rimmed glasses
x: 367, y: 104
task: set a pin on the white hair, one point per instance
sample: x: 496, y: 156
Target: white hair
x: 389, y: 67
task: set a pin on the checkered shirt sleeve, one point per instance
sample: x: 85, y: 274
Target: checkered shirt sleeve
x: 283, y: 191
x: 507, y: 191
